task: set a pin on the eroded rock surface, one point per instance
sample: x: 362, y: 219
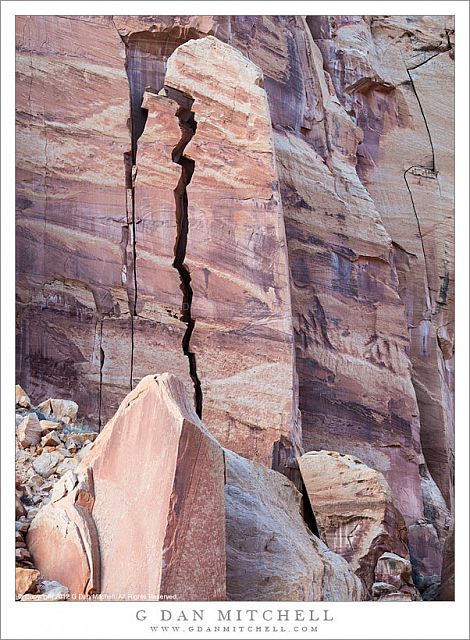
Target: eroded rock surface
x: 354, y: 510
x: 264, y: 527
x: 143, y: 513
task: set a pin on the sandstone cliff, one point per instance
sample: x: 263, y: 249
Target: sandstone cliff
x: 263, y: 207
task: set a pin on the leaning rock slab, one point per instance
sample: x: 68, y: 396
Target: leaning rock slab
x: 354, y: 509
x: 143, y: 513
x: 271, y: 555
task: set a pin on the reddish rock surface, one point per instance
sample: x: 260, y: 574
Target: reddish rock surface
x: 314, y: 160
x: 109, y: 530
x: 385, y: 70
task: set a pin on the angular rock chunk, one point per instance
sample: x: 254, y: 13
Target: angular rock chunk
x: 396, y: 571
x: 143, y: 513
x: 66, y: 410
x: 354, y: 510
x: 271, y: 555
x: 46, y: 463
x: 26, y: 580
x: 29, y: 431
x: 22, y: 398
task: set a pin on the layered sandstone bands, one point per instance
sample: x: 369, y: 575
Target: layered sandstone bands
x: 310, y: 236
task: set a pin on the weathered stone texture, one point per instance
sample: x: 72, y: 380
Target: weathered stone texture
x: 354, y: 510
x: 143, y: 513
x: 271, y: 555
x: 386, y: 71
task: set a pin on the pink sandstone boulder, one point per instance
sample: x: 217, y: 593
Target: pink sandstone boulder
x: 143, y: 513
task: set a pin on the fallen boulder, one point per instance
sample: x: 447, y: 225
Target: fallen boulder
x: 29, y: 431
x: 143, y: 513
x: 354, y: 510
x: 66, y: 410
x: 271, y: 554
x: 22, y: 398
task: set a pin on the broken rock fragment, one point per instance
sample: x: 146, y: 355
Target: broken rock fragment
x: 26, y: 580
x: 22, y: 398
x: 29, y: 431
x: 143, y: 513
x: 65, y: 410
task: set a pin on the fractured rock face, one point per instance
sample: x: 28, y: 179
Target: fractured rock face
x: 234, y: 252
x: 143, y: 513
x: 354, y: 509
x: 271, y: 555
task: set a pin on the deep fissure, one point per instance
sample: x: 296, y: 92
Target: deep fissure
x: 188, y: 126
x: 101, y: 374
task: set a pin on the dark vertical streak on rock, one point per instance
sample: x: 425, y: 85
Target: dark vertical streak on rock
x: 101, y: 375
x: 420, y: 234
x: 188, y: 126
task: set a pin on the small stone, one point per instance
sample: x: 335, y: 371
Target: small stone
x: 22, y: 525
x: 35, y: 481
x: 84, y: 450
x: 20, y: 509
x: 51, y: 439
x: 71, y: 445
x: 381, y: 588
x: 46, y: 463
x: 393, y: 569
x: 22, y: 398
x: 29, y: 431
x: 26, y: 580
x: 49, y: 425
x: 22, y: 554
x: 49, y: 590
x: 69, y: 464
x: 65, y: 410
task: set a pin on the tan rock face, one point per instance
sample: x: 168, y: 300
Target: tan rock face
x: 95, y: 537
x: 354, y: 509
x: 263, y: 526
x: 241, y: 291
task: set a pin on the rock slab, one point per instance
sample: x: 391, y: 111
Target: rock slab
x: 143, y: 513
x: 271, y: 554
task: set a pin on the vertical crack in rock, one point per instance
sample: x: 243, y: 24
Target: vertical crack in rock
x: 188, y: 127
x: 101, y: 374
x: 433, y: 166
x: 426, y: 268
x: 130, y: 163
